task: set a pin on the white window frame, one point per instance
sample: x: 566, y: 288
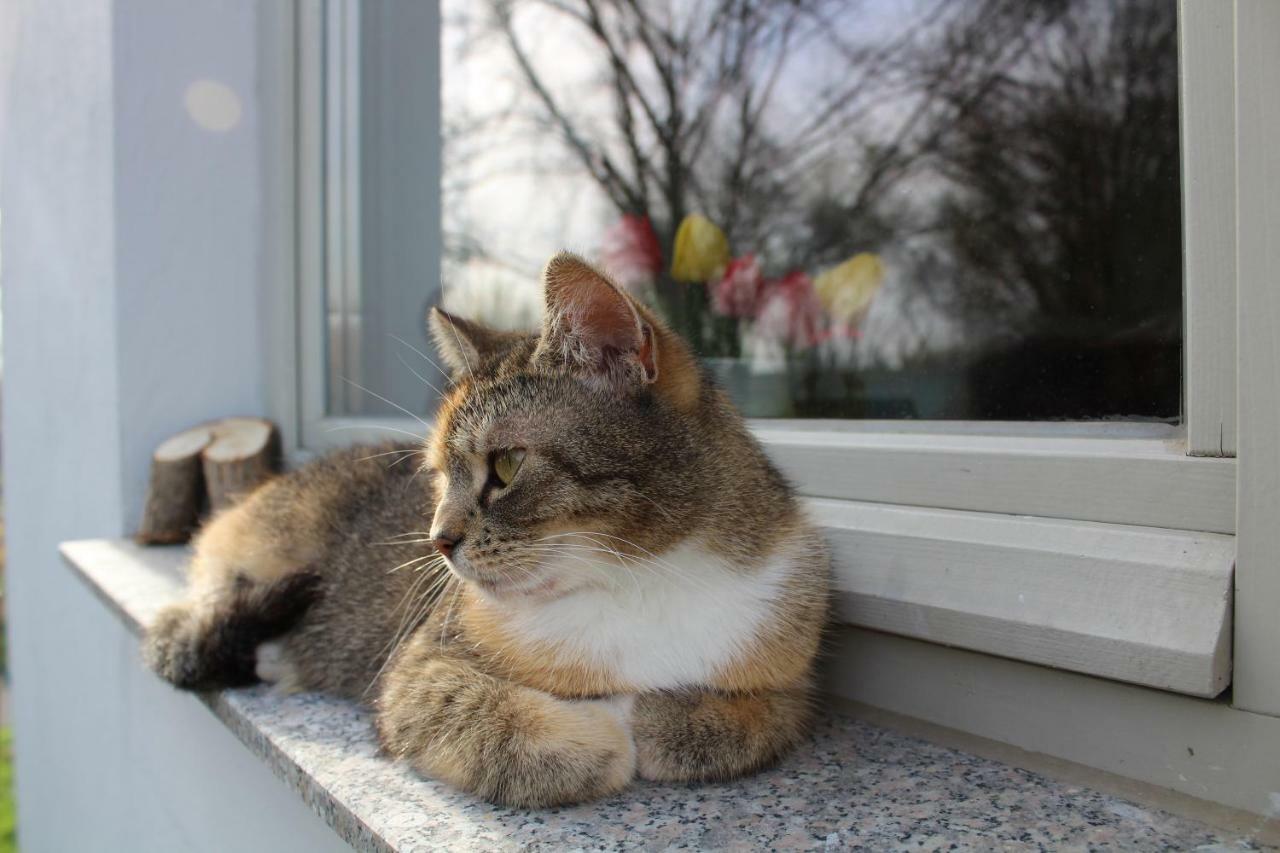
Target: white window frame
x: 1171, y: 478
x: 1257, y: 593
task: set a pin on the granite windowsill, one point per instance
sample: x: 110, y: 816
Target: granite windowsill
x: 855, y: 784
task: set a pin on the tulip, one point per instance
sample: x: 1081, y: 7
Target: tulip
x: 701, y: 250
x: 791, y: 313
x: 737, y: 292
x: 630, y: 251
x: 847, y: 290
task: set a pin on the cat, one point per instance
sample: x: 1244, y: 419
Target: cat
x: 615, y: 582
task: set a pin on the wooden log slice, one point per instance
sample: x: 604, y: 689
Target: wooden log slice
x: 176, y: 492
x: 244, y: 453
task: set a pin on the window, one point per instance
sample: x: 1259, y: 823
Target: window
x: 943, y: 253
x: 899, y: 210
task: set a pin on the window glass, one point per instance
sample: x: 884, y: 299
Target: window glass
x: 879, y: 209
x: 381, y: 194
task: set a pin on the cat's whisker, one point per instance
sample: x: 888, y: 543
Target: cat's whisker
x: 437, y: 586
x: 415, y: 436
x: 461, y: 350
x: 659, y: 507
x: 402, y: 458
x: 355, y: 384
x: 419, y: 605
x: 411, y: 562
x: 422, y: 540
x: 662, y: 566
x: 413, y: 592
x: 424, y: 356
x: 401, y: 542
x: 407, y: 451
x: 437, y: 563
x: 421, y: 378
x: 590, y: 534
x: 409, y: 595
x: 448, y: 614
x: 562, y: 550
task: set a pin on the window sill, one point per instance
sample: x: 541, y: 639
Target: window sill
x: 1064, y: 594
x: 857, y: 783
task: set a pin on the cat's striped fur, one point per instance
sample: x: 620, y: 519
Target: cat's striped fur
x: 645, y: 597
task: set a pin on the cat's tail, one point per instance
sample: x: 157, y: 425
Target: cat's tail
x: 211, y: 642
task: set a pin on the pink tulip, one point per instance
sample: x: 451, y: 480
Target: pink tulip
x: 631, y: 253
x: 791, y: 312
x: 738, y: 290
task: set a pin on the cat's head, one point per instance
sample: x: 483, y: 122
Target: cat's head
x: 572, y: 456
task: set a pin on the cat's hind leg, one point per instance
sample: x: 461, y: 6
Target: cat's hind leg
x: 211, y: 641
x: 249, y: 584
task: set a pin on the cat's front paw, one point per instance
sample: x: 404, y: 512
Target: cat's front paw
x: 550, y: 758
x: 592, y: 744
x: 710, y: 736
x: 511, y: 745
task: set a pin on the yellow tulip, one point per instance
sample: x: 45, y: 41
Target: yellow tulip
x: 847, y: 290
x: 701, y: 250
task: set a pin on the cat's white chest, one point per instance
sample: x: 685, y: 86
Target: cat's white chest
x: 660, y: 627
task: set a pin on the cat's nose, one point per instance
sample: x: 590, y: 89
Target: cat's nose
x: 445, y: 543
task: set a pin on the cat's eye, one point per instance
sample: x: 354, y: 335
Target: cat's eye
x: 506, y: 463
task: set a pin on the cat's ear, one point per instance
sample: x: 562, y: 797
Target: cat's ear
x: 462, y: 344
x: 593, y: 327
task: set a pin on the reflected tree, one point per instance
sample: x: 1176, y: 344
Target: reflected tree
x: 1065, y: 176
x: 1018, y: 158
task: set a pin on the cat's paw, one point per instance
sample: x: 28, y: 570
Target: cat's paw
x: 556, y: 757
x: 709, y: 736
x: 168, y: 646
x: 510, y: 745
x: 580, y: 752
x: 273, y: 666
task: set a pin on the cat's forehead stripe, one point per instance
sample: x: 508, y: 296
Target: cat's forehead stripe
x: 450, y: 406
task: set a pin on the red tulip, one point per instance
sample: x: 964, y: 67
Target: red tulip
x: 791, y: 312
x: 738, y: 290
x: 631, y: 253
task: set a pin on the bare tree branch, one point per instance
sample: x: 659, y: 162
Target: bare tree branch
x: 597, y: 163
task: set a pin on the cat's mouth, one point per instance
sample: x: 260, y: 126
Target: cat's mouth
x: 538, y: 588
x: 500, y: 586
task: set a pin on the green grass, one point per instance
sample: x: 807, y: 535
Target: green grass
x: 8, y: 813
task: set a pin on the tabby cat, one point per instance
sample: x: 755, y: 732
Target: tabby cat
x: 615, y: 581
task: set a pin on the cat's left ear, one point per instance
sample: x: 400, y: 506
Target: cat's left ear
x: 593, y: 327
x: 462, y: 344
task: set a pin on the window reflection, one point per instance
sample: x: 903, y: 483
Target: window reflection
x: 853, y: 209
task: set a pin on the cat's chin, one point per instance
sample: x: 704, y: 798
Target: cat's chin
x: 539, y: 589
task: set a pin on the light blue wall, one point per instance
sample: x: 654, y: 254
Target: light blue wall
x: 188, y: 222
x: 134, y: 275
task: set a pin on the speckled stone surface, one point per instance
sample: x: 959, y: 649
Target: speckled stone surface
x: 854, y: 786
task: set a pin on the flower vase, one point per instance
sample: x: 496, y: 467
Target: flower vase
x: 758, y: 390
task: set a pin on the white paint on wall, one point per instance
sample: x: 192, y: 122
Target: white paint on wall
x: 134, y: 274
x: 8, y: 39
x: 189, y: 223
x: 212, y: 105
